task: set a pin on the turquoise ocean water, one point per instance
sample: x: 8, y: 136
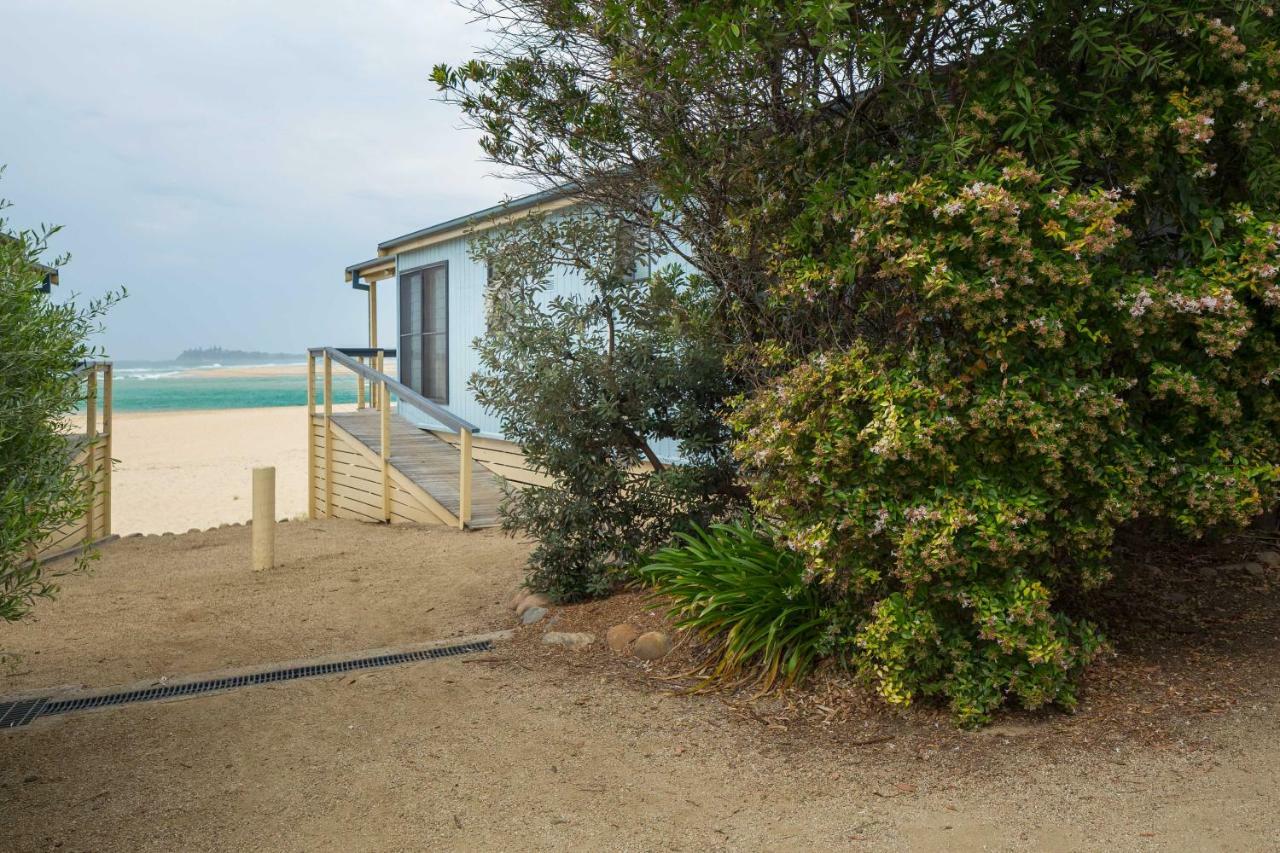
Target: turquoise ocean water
x: 152, y: 387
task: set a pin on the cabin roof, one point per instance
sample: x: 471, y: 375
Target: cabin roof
x: 383, y: 266
x: 516, y: 205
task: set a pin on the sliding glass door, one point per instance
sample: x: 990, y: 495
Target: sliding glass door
x: 424, y: 331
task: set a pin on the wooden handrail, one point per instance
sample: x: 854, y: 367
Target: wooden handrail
x: 83, y: 367
x: 311, y: 436
x: 91, y: 436
x: 97, y: 432
x: 381, y: 386
x: 328, y: 436
x: 384, y: 414
x: 404, y: 392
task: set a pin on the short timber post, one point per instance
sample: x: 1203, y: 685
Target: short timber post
x: 386, y: 452
x: 328, y: 435
x: 311, y: 434
x: 264, y: 518
x: 91, y: 436
x: 464, y: 479
x: 107, y: 378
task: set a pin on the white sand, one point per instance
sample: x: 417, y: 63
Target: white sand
x: 179, y: 470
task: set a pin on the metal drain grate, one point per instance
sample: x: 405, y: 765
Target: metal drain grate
x: 21, y: 712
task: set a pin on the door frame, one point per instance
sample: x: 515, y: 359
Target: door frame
x: 400, y: 360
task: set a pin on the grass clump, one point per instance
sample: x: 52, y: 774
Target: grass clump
x: 730, y: 585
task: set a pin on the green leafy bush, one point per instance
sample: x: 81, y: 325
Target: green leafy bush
x: 41, y: 344
x: 750, y: 600
x: 591, y: 358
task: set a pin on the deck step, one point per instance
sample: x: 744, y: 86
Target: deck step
x: 432, y: 464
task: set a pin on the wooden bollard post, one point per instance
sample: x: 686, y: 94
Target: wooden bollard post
x: 264, y: 518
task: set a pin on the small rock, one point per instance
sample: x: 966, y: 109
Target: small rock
x: 620, y: 637
x: 536, y: 599
x: 533, y: 614
x: 652, y: 646
x: 1255, y: 569
x: 1270, y: 559
x: 567, y: 640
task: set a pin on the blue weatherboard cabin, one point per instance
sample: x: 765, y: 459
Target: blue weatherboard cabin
x: 439, y: 292
x: 419, y: 447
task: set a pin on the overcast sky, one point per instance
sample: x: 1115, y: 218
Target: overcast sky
x: 226, y: 159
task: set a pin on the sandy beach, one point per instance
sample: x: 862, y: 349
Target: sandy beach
x: 179, y: 470
x: 183, y: 470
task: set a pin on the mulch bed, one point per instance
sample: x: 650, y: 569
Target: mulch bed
x: 1192, y: 642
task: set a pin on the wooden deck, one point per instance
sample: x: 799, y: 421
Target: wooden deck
x: 427, y: 463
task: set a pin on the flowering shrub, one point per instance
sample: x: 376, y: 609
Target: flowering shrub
x: 1002, y: 271
x: 1064, y: 322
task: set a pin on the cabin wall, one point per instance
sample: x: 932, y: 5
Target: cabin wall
x: 467, y: 281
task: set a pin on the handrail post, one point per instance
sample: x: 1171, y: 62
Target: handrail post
x: 311, y: 434
x: 108, y: 377
x: 328, y: 435
x: 91, y: 434
x: 464, y: 479
x: 386, y: 455
x: 360, y: 385
x: 381, y: 368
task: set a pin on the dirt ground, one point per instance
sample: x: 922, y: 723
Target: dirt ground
x: 156, y: 606
x: 1176, y: 745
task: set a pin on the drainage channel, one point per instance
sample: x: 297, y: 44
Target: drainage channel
x: 23, y: 711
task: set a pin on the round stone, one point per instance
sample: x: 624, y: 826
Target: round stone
x: 533, y: 614
x: 652, y: 646
x: 535, y: 599
x: 620, y: 637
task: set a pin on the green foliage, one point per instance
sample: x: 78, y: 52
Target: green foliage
x: 41, y: 344
x: 1071, y: 326
x: 1002, y: 276
x: 749, y: 599
x: 588, y: 377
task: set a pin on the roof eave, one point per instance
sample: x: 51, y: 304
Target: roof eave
x: 511, y: 206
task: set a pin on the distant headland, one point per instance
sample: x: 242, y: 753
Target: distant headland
x: 218, y: 355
